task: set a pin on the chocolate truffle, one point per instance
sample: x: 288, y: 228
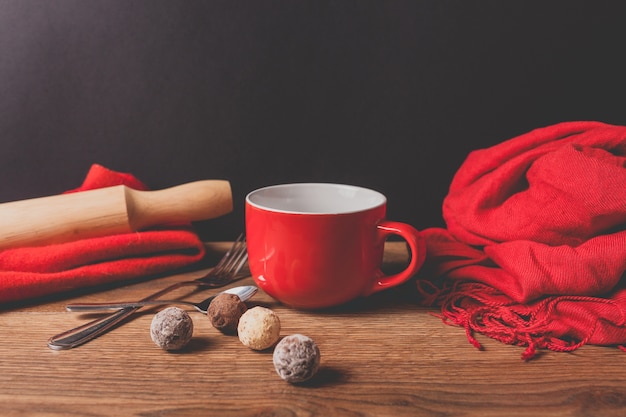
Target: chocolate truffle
x: 225, y: 311
x: 171, y: 328
x: 259, y: 328
x: 296, y: 358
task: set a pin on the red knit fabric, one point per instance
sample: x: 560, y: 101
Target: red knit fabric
x: 31, y: 272
x: 535, y: 247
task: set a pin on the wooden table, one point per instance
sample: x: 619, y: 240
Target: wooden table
x: 383, y: 356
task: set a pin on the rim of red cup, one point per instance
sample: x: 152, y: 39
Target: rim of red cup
x: 288, y: 198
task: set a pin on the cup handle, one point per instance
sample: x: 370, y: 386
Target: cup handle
x: 417, y: 246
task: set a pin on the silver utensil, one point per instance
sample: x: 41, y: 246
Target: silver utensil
x: 244, y: 293
x: 223, y: 273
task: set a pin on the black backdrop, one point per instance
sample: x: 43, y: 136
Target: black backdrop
x: 390, y: 95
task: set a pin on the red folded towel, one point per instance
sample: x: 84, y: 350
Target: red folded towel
x: 31, y: 272
x: 535, y: 247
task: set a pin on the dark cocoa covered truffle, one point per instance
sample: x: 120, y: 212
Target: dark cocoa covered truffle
x: 225, y: 311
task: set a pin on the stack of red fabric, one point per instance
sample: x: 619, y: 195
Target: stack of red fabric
x: 31, y: 272
x: 534, y: 253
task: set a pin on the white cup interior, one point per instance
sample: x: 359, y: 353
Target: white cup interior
x: 315, y: 198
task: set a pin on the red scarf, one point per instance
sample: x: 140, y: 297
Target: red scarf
x: 30, y: 272
x: 535, y: 247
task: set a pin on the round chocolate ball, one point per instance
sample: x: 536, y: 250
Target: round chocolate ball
x: 171, y: 328
x: 225, y: 311
x: 296, y: 358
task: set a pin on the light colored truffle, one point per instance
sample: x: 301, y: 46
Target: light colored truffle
x: 296, y: 358
x: 259, y: 328
x: 171, y: 328
x: 225, y: 311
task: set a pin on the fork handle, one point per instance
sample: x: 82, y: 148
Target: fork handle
x: 92, y: 307
x: 81, y: 334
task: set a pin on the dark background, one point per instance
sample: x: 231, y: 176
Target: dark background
x: 390, y: 95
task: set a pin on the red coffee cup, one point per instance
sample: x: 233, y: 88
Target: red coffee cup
x: 314, y: 245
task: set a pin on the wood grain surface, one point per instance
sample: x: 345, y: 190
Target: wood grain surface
x: 382, y: 356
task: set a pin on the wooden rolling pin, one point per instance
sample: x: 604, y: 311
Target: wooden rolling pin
x: 106, y: 211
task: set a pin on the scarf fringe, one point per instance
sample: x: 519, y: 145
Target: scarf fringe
x: 482, y: 309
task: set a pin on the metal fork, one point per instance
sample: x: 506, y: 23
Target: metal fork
x: 224, y: 272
